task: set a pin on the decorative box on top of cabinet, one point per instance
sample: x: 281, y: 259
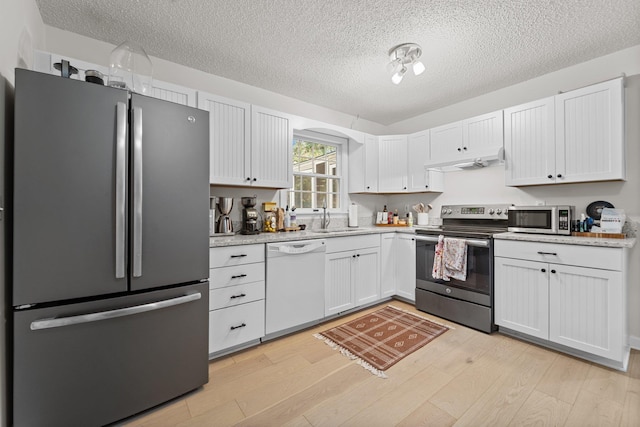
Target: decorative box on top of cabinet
x: 577, y: 136
x: 568, y: 295
x: 236, y: 296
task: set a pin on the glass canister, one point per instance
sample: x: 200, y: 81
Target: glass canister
x: 130, y: 68
x: 269, y: 222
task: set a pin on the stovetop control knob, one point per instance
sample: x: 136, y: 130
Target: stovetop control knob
x: 490, y: 211
x: 498, y: 211
x: 449, y: 211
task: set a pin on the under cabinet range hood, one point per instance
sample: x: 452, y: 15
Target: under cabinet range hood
x: 469, y: 163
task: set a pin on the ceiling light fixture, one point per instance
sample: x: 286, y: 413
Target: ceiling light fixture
x: 401, y: 56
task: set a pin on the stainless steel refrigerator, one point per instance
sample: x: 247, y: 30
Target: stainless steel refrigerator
x: 109, y: 252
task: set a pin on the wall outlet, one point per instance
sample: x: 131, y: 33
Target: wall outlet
x: 540, y: 203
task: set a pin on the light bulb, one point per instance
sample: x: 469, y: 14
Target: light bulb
x: 418, y: 68
x: 397, y: 77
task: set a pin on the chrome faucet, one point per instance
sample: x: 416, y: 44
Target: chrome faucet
x: 326, y: 218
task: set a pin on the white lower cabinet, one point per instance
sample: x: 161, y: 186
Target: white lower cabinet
x: 405, y: 256
x: 236, y: 296
x: 398, y: 265
x: 553, y: 293
x: 352, y: 272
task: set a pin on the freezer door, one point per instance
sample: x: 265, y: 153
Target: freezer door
x: 94, y: 363
x: 169, y: 193
x: 65, y: 204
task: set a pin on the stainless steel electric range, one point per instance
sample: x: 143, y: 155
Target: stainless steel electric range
x: 468, y: 302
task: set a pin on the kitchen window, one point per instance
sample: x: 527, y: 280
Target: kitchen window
x: 317, y: 172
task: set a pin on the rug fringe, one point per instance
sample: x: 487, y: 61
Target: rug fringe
x: 422, y: 317
x: 375, y: 371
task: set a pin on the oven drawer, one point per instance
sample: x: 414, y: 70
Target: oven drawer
x: 582, y: 256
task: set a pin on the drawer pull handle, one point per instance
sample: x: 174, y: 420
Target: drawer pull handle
x: 544, y: 270
x: 239, y: 276
x: 238, y: 296
x: 238, y: 256
x: 553, y: 271
x: 547, y: 253
x: 242, y: 325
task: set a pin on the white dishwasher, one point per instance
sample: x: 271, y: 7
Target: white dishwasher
x: 295, y: 284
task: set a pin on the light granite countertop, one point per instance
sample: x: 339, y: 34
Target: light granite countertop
x: 241, y: 239
x: 629, y: 242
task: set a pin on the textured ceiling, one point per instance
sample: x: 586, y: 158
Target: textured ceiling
x: 334, y: 53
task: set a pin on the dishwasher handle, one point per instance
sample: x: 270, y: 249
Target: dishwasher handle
x: 296, y: 248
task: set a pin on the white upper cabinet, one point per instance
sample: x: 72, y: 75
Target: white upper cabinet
x: 271, y: 144
x: 249, y: 145
x: 467, y: 139
x: 420, y: 179
x: 577, y: 136
x: 392, y: 164
x: 590, y: 133
x: 446, y: 143
x: 229, y: 139
x: 529, y: 143
x: 363, y: 165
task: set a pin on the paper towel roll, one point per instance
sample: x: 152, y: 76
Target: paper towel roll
x: 353, y: 215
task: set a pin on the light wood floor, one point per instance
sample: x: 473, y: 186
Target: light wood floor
x: 462, y: 378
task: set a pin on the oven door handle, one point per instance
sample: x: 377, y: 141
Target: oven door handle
x: 469, y: 242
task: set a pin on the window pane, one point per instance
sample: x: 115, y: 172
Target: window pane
x: 321, y: 185
x: 316, y: 174
x: 335, y: 201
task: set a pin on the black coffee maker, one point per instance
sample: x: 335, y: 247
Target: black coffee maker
x: 249, y: 216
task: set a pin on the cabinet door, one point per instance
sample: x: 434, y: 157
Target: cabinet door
x: 483, y: 135
x: 173, y: 93
x: 271, y: 141
x: 417, y: 157
x: 339, y: 295
x: 435, y: 181
x: 387, y: 265
x: 363, y: 165
x: 587, y: 310
x: 590, y: 133
x: 522, y: 296
x: 366, y: 276
x: 405, y: 257
x: 446, y: 142
x: 229, y: 133
x: 392, y: 163
x: 529, y: 143
x: 371, y: 164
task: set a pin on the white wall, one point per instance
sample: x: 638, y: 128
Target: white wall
x: 21, y: 30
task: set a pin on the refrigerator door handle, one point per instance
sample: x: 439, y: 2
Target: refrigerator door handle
x: 121, y: 187
x: 111, y: 314
x: 137, y: 192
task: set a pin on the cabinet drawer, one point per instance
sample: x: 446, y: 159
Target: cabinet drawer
x: 339, y: 244
x: 235, y: 255
x: 237, y: 275
x: 229, y: 327
x: 582, y: 256
x: 235, y: 295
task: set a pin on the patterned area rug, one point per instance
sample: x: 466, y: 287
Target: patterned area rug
x: 380, y: 339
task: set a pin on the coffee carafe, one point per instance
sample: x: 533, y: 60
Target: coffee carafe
x: 249, y: 216
x: 224, y: 224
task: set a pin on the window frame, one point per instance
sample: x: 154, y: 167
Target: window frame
x: 341, y: 144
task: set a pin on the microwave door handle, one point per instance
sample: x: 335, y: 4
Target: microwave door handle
x: 137, y: 192
x: 121, y: 188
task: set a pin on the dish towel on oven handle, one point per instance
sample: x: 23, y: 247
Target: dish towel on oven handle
x: 450, y: 260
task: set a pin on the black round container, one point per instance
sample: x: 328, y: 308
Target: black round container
x: 93, y: 76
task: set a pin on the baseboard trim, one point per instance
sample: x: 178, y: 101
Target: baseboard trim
x: 634, y: 342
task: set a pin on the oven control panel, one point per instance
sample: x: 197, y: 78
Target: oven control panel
x: 475, y: 211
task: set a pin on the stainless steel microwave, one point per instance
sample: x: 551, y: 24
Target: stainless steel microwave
x: 541, y: 219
